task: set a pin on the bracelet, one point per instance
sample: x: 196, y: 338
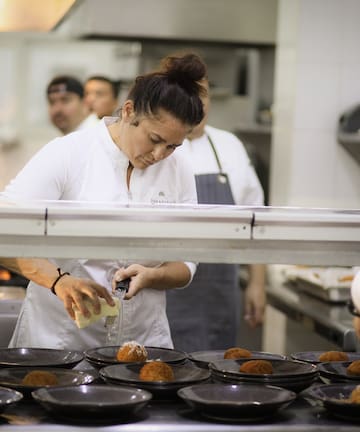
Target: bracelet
x: 352, y: 309
x: 57, y: 280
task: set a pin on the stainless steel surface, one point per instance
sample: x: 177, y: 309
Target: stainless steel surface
x: 334, y: 322
x: 300, y: 416
x: 229, y: 234
x: 245, y: 21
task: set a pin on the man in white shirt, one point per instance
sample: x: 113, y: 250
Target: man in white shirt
x: 67, y: 108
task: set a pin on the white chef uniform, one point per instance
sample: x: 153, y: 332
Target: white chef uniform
x: 88, y: 166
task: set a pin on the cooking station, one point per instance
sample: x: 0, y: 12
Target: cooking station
x: 228, y: 234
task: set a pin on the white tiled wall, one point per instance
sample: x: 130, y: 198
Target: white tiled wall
x: 316, y: 78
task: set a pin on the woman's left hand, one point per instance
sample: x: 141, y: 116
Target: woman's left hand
x: 140, y: 277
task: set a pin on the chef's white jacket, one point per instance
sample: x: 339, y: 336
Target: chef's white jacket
x: 87, y: 166
x: 235, y: 162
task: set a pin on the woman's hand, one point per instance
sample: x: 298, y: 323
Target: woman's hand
x: 255, y: 299
x: 140, y: 277
x: 73, y: 291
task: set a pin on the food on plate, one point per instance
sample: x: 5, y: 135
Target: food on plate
x: 105, y: 311
x: 355, y: 395
x: 40, y: 378
x: 156, y: 371
x: 354, y: 368
x: 236, y: 353
x: 328, y: 356
x: 257, y: 367
x: 132, y: 352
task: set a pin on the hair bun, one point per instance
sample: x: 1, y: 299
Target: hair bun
x: 186, y: 70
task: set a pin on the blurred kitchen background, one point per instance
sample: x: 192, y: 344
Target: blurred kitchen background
x: 282, y: 73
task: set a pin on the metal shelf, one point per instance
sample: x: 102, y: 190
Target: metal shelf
x: 228, y: 234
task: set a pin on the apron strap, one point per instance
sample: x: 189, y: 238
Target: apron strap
x: 215, y: 153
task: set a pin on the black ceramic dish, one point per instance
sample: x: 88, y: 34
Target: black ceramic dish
x: 334, y: 398
x: 336, y: 372
x: 8, y: 397
x: 203, y: 358
x: 128, y: 374
x: 240, y: 402
x: 35, y: 357
x: 292, y: 375
x: 104, y: 356
x: 91, y: 402
x: 313, y: 356
x: 13, y: 377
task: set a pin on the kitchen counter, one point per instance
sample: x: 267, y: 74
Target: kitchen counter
x: 301, y: 416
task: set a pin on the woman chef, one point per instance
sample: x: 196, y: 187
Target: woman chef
x: 126, y: 159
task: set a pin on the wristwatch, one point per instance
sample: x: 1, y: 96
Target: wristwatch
x: 352, y: 308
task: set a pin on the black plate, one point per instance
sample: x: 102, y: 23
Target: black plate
x: 203, y: 358
x: 336, y: 372
x: 128, y: 374
x: 8, y: 397
x: 289, y: 374
x: 12, y: 378
x: 14, y: 357
x: 94, y: 401
x: 313, y: 356
x: 241, y: 402
x: 333, y: 397
x: 104, y: 356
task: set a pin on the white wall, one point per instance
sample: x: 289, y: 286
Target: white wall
x: 317, y: 77
x: 28, y: 63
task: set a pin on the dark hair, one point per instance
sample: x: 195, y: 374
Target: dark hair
x: 174, y: 87
x: 65, y: 83
x: 115, y: 85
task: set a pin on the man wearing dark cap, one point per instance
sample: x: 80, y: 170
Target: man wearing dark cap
x: 67, y: 109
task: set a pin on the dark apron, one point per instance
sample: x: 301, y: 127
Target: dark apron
x: 206, y: 315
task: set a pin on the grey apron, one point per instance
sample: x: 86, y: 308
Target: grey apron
x: 206, y: 315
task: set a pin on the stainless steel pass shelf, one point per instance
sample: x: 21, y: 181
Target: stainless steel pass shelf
x: 229, y: 234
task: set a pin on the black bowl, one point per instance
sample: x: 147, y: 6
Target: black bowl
x: 313, y: 356
x: 240, y: 402
x: 336, y: 372
x: 8, y: 397
x: 128, y: 374
x: 36, y: 357
x: 203, y: 358
x: 92, y: 402
x: 104, y: 356
x: 13, y: 377
x: 334, y: 397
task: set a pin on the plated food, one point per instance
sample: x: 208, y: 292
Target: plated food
x: 328, y: 356
x: 341, y: 399
x: 257, y: 367
x: 157, y: 371
x: 129, y: 374
x: 314, y: 356
x: 132, y: 352
x: 27, y: 379
x: 236, y: 353
x: 290, y: 374
x: 107, y: 355
x: 203, y: 358
x: 332, y: 372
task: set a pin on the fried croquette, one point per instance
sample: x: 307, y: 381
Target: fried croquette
x: 40, y: 378
x: 354, y: 368
x: 156, y: 371
x: 257, y: 367
x: 132, y: 352
x: 333, y: 356
x: 355, y: 395
x: 237, y: 353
